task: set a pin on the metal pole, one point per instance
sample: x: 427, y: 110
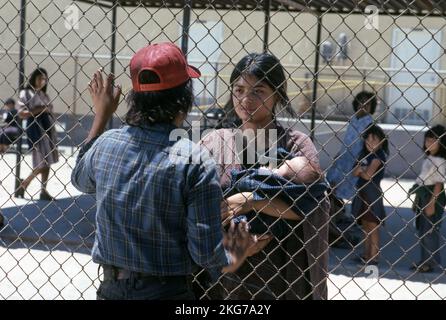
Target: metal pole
x: 316, y: 76
x: 216, y: 83
x: 113, y: 49
x: 186, y: 25
x: 76, y: 70
x: 267, y: 9
x: 21, y: 86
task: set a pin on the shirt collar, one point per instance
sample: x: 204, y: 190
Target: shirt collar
x: 160, y: 127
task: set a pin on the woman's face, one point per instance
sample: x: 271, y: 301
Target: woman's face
x: 253, y: 100
x: 373, y: 143
x: 432, y: 145
x: 41, y: 80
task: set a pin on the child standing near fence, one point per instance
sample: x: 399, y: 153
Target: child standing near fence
x: 430, y: 199
x: 368, y: 205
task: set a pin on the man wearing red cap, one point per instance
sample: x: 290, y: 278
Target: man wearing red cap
x: 158, y: 213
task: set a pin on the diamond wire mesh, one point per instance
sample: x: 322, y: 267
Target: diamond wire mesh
x: 45, y: 245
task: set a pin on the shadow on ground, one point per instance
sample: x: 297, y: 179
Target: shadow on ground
x: 399, y: 250
x: 65, y: 224
x: 68, y: 225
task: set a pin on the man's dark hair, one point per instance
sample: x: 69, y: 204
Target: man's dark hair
x: 150, y: 107
x: 365, y: 97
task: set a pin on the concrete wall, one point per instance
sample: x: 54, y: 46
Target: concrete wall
x: 72, y: 55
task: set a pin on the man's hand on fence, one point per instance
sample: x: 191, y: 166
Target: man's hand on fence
x: 105, y: 98
x: 237, y: 241
x: 105, y: 101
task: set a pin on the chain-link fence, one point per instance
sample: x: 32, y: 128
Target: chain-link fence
x: 360, y: 75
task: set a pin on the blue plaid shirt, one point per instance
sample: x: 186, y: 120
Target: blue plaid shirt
x: 157, y: 212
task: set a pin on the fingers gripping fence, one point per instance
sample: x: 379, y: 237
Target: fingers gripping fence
x: 341, y: 182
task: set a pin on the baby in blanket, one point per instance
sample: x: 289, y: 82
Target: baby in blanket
x: 297, y: 170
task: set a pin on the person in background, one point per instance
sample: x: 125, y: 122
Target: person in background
x: 10, y: 129
x: 430, y: 199
x: 368, y: 204
x: 35, y: 106
x: 343, y: 231
x: 339, y: 175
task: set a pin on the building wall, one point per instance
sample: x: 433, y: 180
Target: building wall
x: 71, y: 56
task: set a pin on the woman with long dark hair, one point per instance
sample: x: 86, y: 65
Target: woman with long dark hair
x: 35, y: 106
x: 292, y: 263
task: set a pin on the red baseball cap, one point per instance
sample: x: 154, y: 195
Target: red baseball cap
x: 167, y: 61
